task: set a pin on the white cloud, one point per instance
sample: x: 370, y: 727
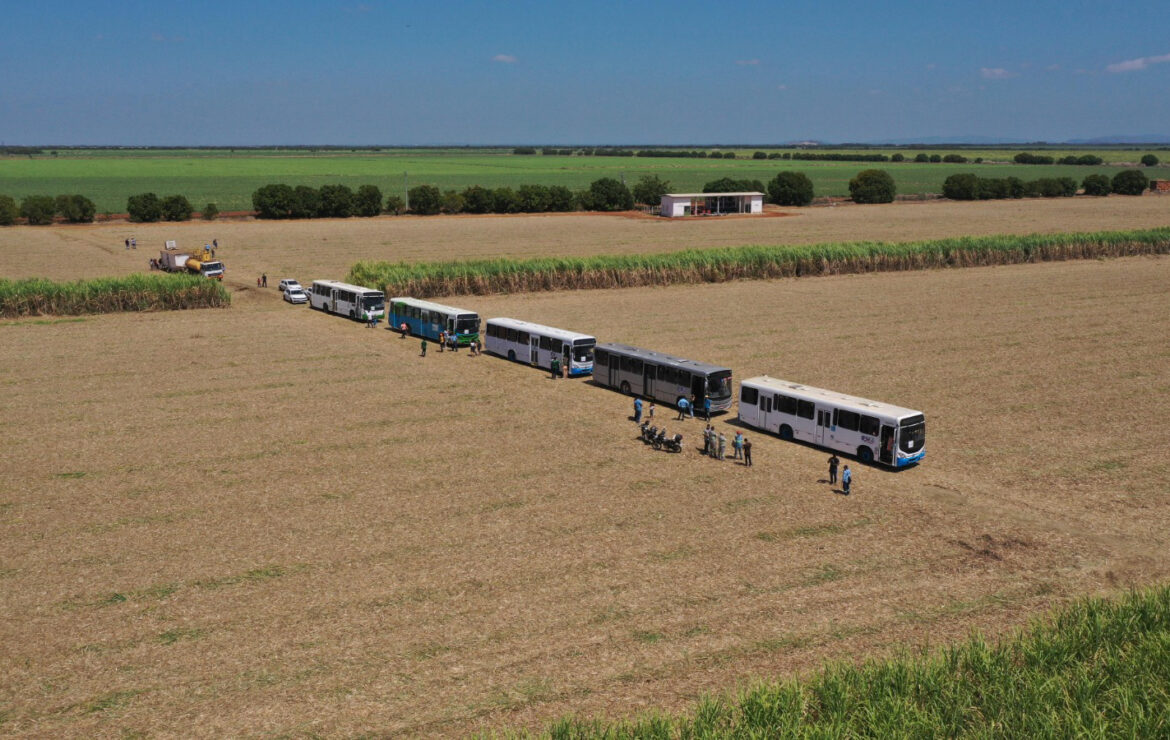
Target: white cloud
x: 995, y: 73
x: 1134, y: 65
x: 747, y: 62
x: 504, y: 59
x: 1052, y: 67
x: 932, y: 65
x: 782, y: 87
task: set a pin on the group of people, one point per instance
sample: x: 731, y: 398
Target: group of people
x: 445, y: 340
x: 131, y: 243
x: 715, y: 445
x: 686, y: 407
x: 846, y: 475
x: 262, y: 281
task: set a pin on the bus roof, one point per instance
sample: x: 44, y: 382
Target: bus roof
x: 646, y: 354
x: 841, y: 400
x: 551, y: 331
x: 418, y: 303
x: 346, y: 286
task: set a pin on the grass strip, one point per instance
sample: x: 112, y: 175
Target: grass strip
x: 716, y: 265
x: 1098, y: 668
x: 40, y: 297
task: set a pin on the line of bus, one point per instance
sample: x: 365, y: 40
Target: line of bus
x: 344, y: 299
x: 535, y: 344
x: 662, y: 377
x: 426, y: 319
x: 871, y: 430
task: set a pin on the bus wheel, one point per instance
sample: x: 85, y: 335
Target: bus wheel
x: 865, y: 455
x: 785, y: 432
x: 625, y: 388
x: 511, y: 356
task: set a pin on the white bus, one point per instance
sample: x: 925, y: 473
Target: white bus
x: 871, y: 430
x: 344, y: 299
x: 661, y: 377
x: 537, y: 345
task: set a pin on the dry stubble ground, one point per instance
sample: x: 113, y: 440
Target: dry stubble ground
x: 309, y: 250
x: 267, y: 520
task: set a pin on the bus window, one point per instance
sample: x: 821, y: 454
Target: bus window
x: 583, y: 350
x: 601, y: 357
x: 869, y: 425
x: 719, y: 385
x: 785, y: 404
x: 467, y: 323
x: 847, y: 420
x: 749, y: 395
x: 804, y: 409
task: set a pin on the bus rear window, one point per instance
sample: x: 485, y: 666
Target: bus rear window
x: 719, y: 385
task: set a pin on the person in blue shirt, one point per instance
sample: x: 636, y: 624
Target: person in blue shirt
x: 707, y: 407
x: 683, y: 406
x: 846, y: 479
x: 637, y: 410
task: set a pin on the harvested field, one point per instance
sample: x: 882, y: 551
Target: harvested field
x: 266, y: 520
x: 308, y: 250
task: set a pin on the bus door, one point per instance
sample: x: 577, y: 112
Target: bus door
x: 534, y: 349
x: 614, y: 362
x: 648, y: 371
x: 824, y: 421
x: 887, y: 449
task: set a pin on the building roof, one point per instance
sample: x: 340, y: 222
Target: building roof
x: 707, y: 195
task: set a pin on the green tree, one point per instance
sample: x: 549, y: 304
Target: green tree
x: 76, y: 209
x: 146, y: 207
x: 790, y: 189
x: 210, y: 212
x: 425, y: 200
x: 1130, y: 182
x: 337, y: 201
x: 922, y: 157
x: 650, y: 188
x: 9, y: 211
x: 177, y: 208
x: 504, y: 200
x: 963, y: 186
x: 872, y: 186
x: 273, y: 201
x: 306, y: 202
x: 1097, y: 185
x: 561, y: 199
x: 728, y: 185
x: 368, y: 201
x: 452, y: 202
x: 395, y: 205
x: 533, y: 198
x: 607, y: 194
x: 477, y: 200
x: 936, y: 158
x: 1150, y: 160
x: 897, y: 157
x: 760, y: 155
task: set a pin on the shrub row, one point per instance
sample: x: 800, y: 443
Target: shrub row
x: 329, y: 201
x: 38, y: 297
x: 968, y: 186
x: 1097, y: 668
x: 426, y: 200
x: 42, y: 209
x: 483, y: 277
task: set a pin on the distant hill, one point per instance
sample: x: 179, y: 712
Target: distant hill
x: 1113, y: 140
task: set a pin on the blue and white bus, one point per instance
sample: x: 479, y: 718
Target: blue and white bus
x: 426, y: 319
x: 537, y: 345
x: 871, y: 430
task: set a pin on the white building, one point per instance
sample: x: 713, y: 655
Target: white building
x: 711, y: 204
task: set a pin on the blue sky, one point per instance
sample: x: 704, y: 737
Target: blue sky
x: 413, y: 73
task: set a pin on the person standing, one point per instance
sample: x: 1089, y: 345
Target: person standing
x: 722, y: 445
x: 650, y: 416
x: 555, y: 367
x: 442, y: 341
x: 707, y: 407
x: 637, y: 410
x: 264, y: 278
x: 423, y: 344
x: 747, y: 452
x: 133, y: 242
x: 833, y: 463
x: 257, y: 282
x: 214, y: 245
x: 403, y: 328
x: 127, y: 244
x: 737, y: 444
x: 846, y: 480
x: 682, y: 409
x: 707, y: 440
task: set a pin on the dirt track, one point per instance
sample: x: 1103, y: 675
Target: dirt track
x: 265, y: 520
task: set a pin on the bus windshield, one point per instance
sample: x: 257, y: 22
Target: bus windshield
x: 912, y: 438
x: 467, y: 324
x: 719, y: 385
x: 375, y: 302
x: 583, y: 352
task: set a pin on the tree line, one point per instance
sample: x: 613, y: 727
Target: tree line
x: 968, y: 186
